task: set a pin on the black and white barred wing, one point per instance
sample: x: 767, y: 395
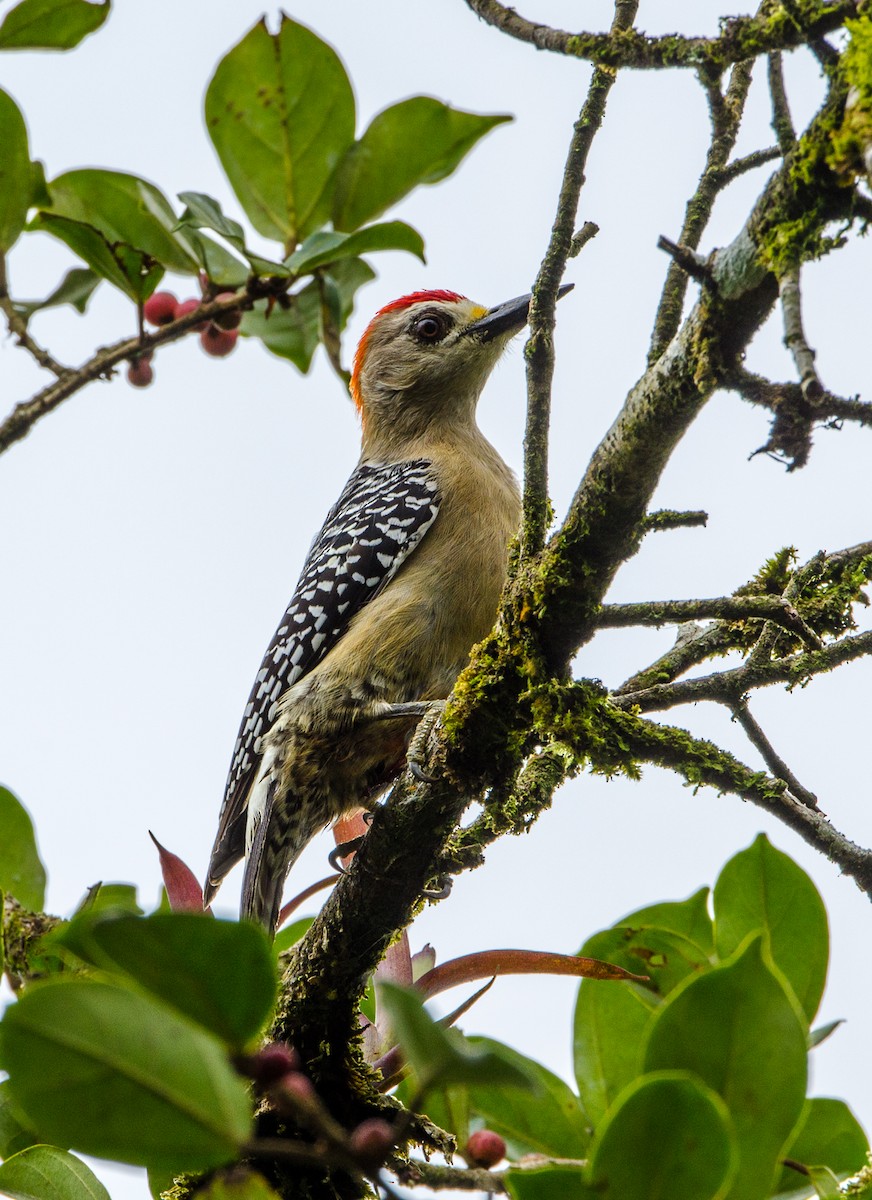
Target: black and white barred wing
x: 381, y: 516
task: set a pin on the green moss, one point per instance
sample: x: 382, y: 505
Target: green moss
x: 853, y: 137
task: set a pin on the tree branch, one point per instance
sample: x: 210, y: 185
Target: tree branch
x: 741, y: 37
x: 17, y: 326
x: 539, y: 351
x: 773, y: 760
x: 722, y: 608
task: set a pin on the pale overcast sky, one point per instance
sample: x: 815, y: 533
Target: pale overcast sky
x: 150, y: 539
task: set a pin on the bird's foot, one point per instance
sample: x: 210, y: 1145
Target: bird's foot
x: 433, y: 711
x: 442, y: 893
x: 343, y: 850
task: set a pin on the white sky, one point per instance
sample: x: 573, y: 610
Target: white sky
x: 150, y: 539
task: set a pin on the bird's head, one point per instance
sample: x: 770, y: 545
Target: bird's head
x: 424, y: 359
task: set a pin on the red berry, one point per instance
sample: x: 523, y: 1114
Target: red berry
x: 371, y: 1142
x: 296, y: 1084
x: 188, y: 306
x: 218, y: 342
x: 484, y: 1148
x: 139, y: 372
x: 231, y: 319
x: 160, y: 308
x: 272, y: 1064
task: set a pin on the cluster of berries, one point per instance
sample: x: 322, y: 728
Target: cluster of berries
x: 218, y: 335
x: 277, y: 1072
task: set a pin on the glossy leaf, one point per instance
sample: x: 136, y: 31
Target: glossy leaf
x: 47, y: 1173
x: 558, y: 1182
x: 76, y: 289
x: 550, y: 1121
x: 668, y: 1136
x: 114, y: 1073
x: 416, y: 141
x: 16, y: 179
x: 219, y: 974
x: 738, y: 1027
x: 124, y: 209
x: 761, y: 888
x: 14, y: 1136
x: 51, y: 24
x: 133, y: 272
x: 441, y: 1057
x: 294, y: 333
x: 280, y: 112
x: 608, y: 1040
x: 111, y: 898
x: 203, y: 212
x: 22, y: 874
x: 816, y: 1036
x: 324, y: 247
x: 831, y: 1136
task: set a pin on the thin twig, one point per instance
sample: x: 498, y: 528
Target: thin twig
x: 722, y: 608
x: 688, y: 260
x: 539, y: 351
x: 748, y: 162
x: 437, y: 1177
x: 18, y: 328
x: 725, y: 112
x: 101, y: 366
x: 776, y: 764
x: 794, y: 335
x: 741, y: 38
x: 782, y: 121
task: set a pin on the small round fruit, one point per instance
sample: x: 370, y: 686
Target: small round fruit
x: 188, y: 306
x: 273, y: 1063
x: 160, y: 308
x: 300, y: 1086
x: 484, y: 1148
x: 371, y: 1142
x: 140, y: 373
x: 230, y: 319
x: 218, y: 342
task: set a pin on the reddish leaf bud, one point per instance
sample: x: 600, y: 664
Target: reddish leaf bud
x: 484, y: 1149
x: 160, y: 308
x: 183, y: 890
x: 371, y: 1142
x: 300, y: 1087
x: 271, y: 1064
x: 218, y: 342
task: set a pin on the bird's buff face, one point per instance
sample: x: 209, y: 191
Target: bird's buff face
x: 429, y: 355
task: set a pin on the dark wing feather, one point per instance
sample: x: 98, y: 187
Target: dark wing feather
x: 381, y: 516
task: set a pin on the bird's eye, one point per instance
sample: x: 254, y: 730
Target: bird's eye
x: 429, y: 328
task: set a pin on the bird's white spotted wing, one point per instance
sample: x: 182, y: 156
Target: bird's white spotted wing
x: 382, y: 514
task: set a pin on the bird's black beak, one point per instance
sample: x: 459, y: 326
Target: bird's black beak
x: 508, y: 317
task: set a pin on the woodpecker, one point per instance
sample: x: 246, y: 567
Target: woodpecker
x: 402, y: 580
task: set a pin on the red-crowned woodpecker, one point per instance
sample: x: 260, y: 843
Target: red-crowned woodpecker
x: 403, y: 578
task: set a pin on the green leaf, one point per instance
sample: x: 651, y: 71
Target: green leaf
x: 22, y: 874
x: 816, y: 1036
x: 416, y: 141
x: 290, y: 935
x: 547, y: 1183
x: 294, y: 332
x: 125, y: 209
x: 109, y: 898
x: 75, y: 289
x: 323, y: 248
x: 761, y: 888
x: 47, y: 1173
x: 550, y: 1122
x: 441, y: 1057
x: 739, y: 1028
x: 51, y: 24
x: 16, y: 177
x: 203, y: 212
x: 114, y: 1073
x: 668, y: 1136
x: 830, y: 1135
x: 220, y: 974
x: 133, y: 272
x: 13, y: 1135
x: 608, y: 1040
x: 280, y: 112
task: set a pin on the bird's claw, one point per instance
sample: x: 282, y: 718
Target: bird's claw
x: 418, y: 772
x: 342, y: 851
